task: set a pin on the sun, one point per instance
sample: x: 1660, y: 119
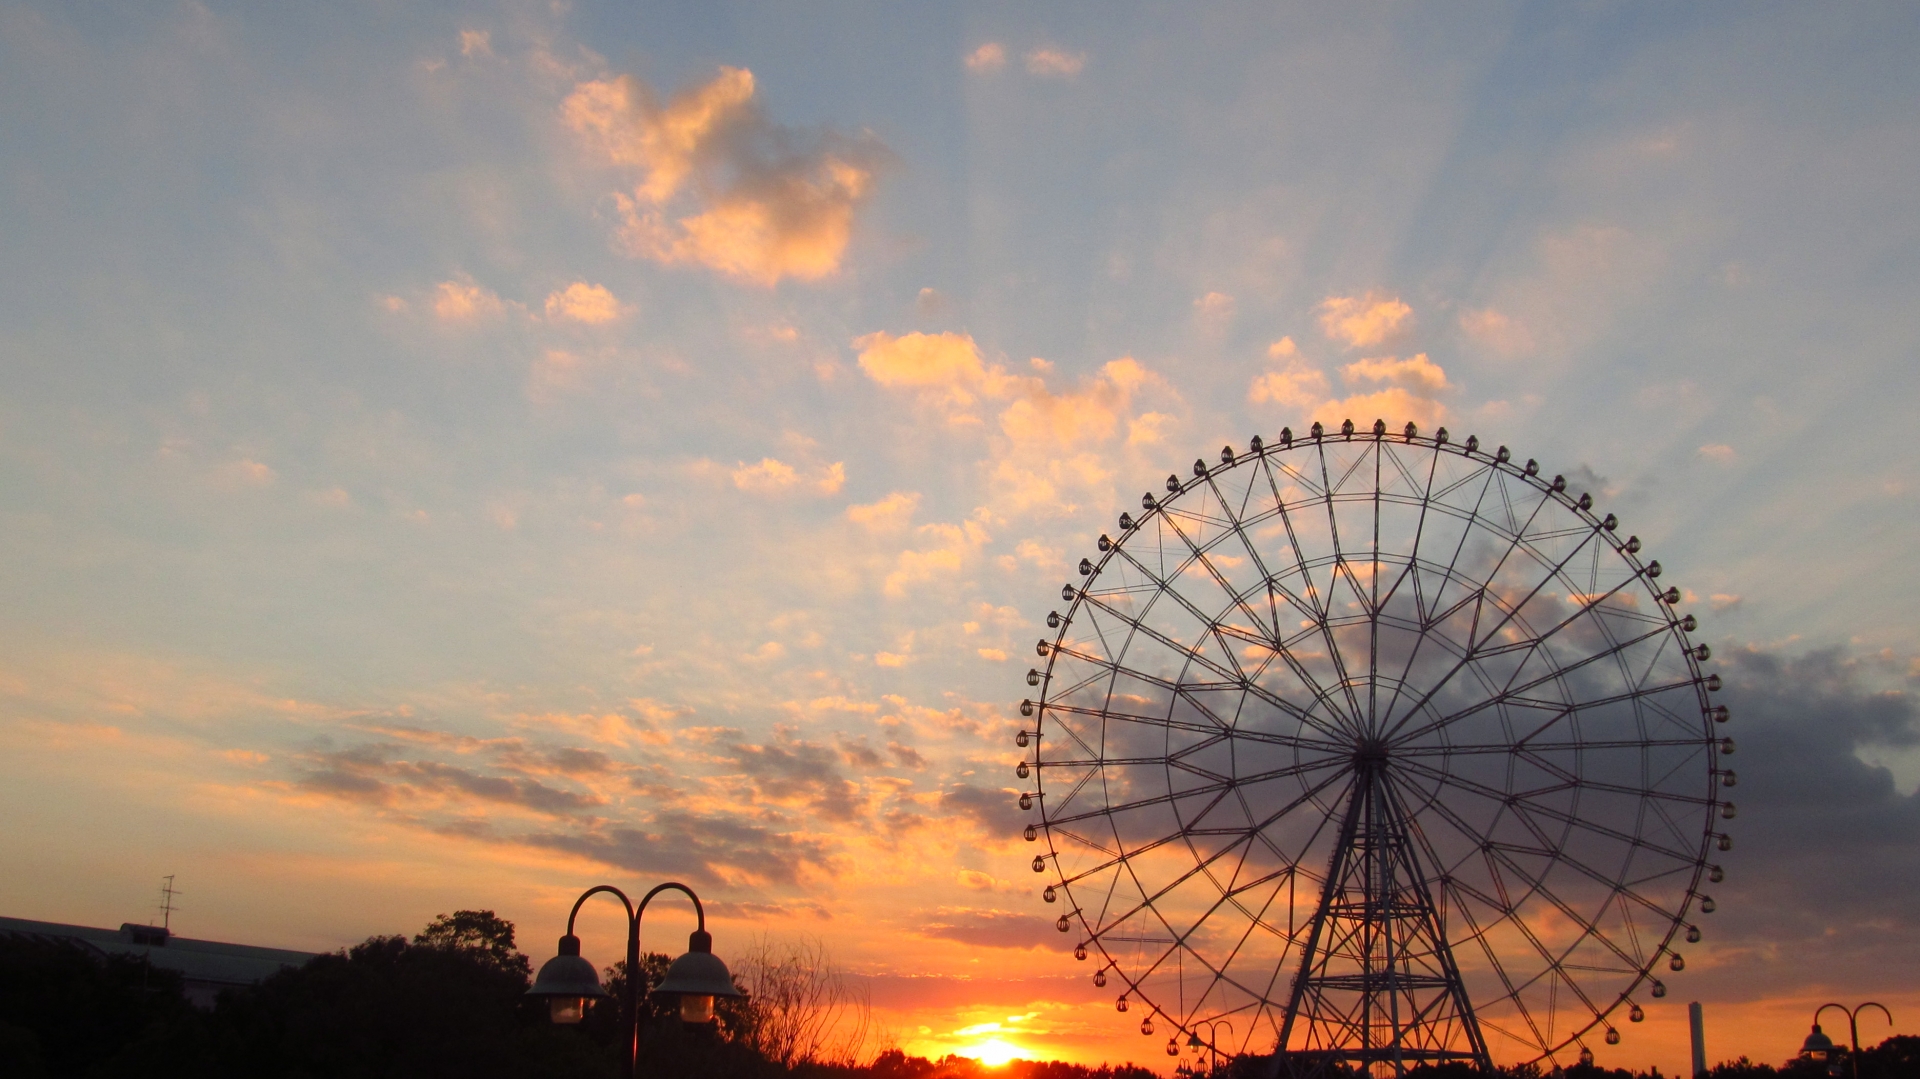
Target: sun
x: 993, y: 1052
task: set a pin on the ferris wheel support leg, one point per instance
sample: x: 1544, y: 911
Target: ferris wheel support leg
x: 1377, y: 983
x: 1284, y: 1064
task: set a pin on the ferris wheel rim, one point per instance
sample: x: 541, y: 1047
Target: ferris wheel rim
x: 1158, y: 510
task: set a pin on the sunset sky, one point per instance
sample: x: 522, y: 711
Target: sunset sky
x: 451, y: 456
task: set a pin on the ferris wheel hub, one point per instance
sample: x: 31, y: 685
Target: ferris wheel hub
x: 1370, y: 753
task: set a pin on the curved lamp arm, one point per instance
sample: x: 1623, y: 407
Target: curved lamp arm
x: 588, y: 894
x: 699, y: 911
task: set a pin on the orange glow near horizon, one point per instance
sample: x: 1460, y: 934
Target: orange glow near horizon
x: 994, y: 1052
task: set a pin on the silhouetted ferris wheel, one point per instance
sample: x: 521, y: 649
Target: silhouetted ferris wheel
x: 1375, y: 749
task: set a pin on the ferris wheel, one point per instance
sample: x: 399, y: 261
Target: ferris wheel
x: 1371, y: 750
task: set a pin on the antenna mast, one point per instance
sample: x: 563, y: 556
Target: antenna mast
x: 167, y: 908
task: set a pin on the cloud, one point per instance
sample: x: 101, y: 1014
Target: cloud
x: 372, y: 773
x: 794, y: 772
x: 983, y: 882
x: 1827, y: 861
x: 1214, y: 305
x: 1388, y: 388
x: 1364, y: 321
x: 461, y: 299
x: 947, y: 363
x: 889, y: 514
x: 1416, y: 374
x: 611, y: 728
x: 952, y: 547
x: 1719, y: 453
x: 710, y: 849
x: 773, y: 476
x: 250, y: 472
x: 994, y: 929
x: 1296, y: 387
x: 1214, y: 312
x: 989, y: 57
x: 1049, y: 442
x: 1055, y: 64
x: 476, y: 43
x: 993, y: 811
x: 582, y: 302
x: 1498, y: 332
x: 722, y: 186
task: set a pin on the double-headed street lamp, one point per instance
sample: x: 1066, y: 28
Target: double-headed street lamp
x: 568, y: 981
x: 1213, y: 1029
x: 1818, y: 1048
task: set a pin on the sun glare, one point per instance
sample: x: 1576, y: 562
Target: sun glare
x: 994, y: 1052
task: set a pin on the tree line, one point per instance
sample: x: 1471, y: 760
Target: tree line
x: 450, y: 1002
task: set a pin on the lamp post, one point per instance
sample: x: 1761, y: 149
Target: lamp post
x: 1819, y: 1048
x: 567, y: 981
x: 1210, y: 1044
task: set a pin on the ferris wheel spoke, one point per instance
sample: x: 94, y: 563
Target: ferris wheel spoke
x: 1559, y: 816
x: 1199, y: 555
x: 1474, y: 648
x: 1217, y: 728
x: 1148, y: 899
x: 1219, y: 787
x: 1558, y: 674
x: 1443, y: 750
x: 1472, y: 515
x: 1319, y: 611
x: 1073, y: 792
x: 1410, y: 572
x: 1553, y: 965
x: 1589, y: 931
x: 1190, y: 654
x: 1334, y: 653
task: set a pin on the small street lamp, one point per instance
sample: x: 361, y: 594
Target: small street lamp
x: 1209, y: 1044
x: 568, y: 981
x: 1818, y: 1048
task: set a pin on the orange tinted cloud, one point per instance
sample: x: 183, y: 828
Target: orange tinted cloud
x: 461, y: 299
x: 950, y: 548
x: 1380, y: 387
x: 719, y: 184
x: 922, y: 359
x: 773, y: 476
x: 582, y: 302
x: 1416, y: 373
x: 989, y: 57
x: 1364, y: 321
x: 891, y: 512
x: 1054, y: 63
x: 1050, y: 439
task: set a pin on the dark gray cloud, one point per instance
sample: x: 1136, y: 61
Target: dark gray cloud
x: 993, y: 811
x: 858, y: 753
x: 374, y: 772
x: 1823, y: 884
x: 905, y: 756
x: 700, y: 849
x: 996, y: 929
x: 790, y: 770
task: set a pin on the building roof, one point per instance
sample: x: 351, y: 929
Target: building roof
x: 206, y: 962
